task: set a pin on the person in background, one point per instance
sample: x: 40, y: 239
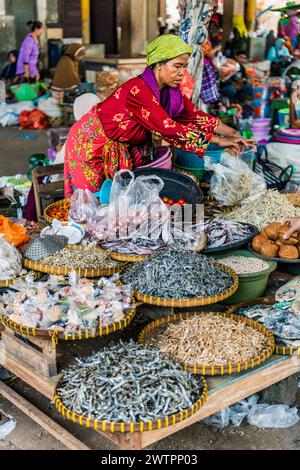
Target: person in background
x: 9, y: 72
x: 209, y: 90
x: 294, y: 106
x: 240, y: 35
x: 67, y: 76
x: 27, y: 64
x: 292, y: 30
x: 238, y: 88
x: 279, y: 56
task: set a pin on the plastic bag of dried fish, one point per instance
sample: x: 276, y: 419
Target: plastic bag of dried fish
x: 128, y: 383
x: 66, y: 305
x: 174, y: 273
x: 83, y: 205
x: 233, y: 181
x: 279, y: 319
x: 10, y: 261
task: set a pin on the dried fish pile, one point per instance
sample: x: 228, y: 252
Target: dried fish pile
x: 127, y: 383
x: 222, y: 232
x: 175, y: 273
x: 270, y: 206
x: 209, y: 340
x: 137, y: 247
x: 60, y: 305
x: 245, y: 264
x: 281, y: 318
x: 86, y: 258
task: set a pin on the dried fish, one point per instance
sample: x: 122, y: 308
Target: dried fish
x: 174, y: 273
x: 270, y: 206
x: 137, y: 247
x: 88, y: 257
x: 279, y: 319
x: 59, y: 305
x: 128, y: 383
x: 222, y: 232
x: 289, y: 291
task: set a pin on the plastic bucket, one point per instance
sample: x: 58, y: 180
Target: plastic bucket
x: 252, y: 285
x: 284, y: 117
x: 163, y: 161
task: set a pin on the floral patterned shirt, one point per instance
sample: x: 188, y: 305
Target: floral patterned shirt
x: 133, y: 111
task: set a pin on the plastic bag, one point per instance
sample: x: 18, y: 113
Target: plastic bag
x: 233, y: 181
x: 273, y: 416
x: 10, y: 260
x: 135, y: 210
x: 187, y: 85
x: 233, y: 415
x: 36, y: 120
x: 227, y: 67
x: 7, y: 425
x: 83, y: 206
x: 50, y: 107
x: 13, y: 233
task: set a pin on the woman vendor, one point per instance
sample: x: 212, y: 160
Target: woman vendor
x: 27, y: 64
x: 67, y: 75
x: 113, y: 134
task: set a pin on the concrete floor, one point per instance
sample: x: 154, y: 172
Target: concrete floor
x: 14, y: 152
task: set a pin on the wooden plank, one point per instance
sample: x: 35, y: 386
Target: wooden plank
x: 63, y: 436
x: 41, y: 363
x: 49, y: 170
x: 220, y: 398
x: 45, y: 385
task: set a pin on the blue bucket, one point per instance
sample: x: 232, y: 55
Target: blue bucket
x: 215, y: 153
x: 188, y: 159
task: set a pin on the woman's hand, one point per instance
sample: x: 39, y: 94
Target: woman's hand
x: 227, y: 142
x: 294, y: 224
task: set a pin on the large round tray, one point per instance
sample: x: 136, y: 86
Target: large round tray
x: 290, y: 265
x: 236, y: 245
x: 132, y: 427
x: 197, y: 302
x: 73, y: 336
x: 215, y: 370
x: 280, y: 349
x: 64, y: 203
x: 58, y: 270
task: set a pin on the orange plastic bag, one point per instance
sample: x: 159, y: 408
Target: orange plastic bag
x: 13, y: 233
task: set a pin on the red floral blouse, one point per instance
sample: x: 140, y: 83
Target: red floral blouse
x: 133, y: 111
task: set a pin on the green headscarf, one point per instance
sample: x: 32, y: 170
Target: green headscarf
x: 166, y: 47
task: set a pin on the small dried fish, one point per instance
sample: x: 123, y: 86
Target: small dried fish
x: 175, y: 273
x: 88, y: 257
x: 137, y: 247
x: 128, y: 383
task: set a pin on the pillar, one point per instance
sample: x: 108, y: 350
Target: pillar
x: 251, y: 15
x: 152, y: 20
x: 86, y: 21
x: 2, y: 7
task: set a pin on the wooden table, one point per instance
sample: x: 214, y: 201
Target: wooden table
x: 223, y: 392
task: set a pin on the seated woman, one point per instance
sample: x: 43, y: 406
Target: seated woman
x: 102, y: 142
x: 294, y: 106
x: 238, y: 88
x: 279, y: 56
x: 9, y: 72
x: 66, y: 75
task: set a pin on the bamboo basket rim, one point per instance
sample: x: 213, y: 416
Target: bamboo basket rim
x: 127, y: 258
x: 39, y: 266
x: 140, y: 427
x: 82, y: 334
x: 196, y: 302
x: 12, y: 282
x: 62, y: 203
x: 213, y: 370
x: 280, y: 349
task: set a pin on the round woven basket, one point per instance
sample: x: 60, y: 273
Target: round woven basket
x: 215, y: 369
x: 280, y: 349
x: 75, y: 335
x: 63, y: 271
x: 196, y: 302
x: 12, y: 282
x: 127, y: 258
x: 63, y: 204
x: 133, y: 427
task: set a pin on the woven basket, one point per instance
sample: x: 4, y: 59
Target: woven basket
x: 61, y: 271
x: 280, y: 349
x: 11, y: 282
x: 132, y: 427
x: 63, y: 204
x: 75, y: 335
x: 197, y: 302
x: 127, y: 258
x: 215, y: 369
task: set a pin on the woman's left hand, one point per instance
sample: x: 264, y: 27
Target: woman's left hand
x: 242, y: 141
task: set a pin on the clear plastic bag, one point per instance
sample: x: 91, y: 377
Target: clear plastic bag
x: 233, y: 182
x: 83, y: 206
x: 7, y: 425
x: 233, y: 415
x: 273, y: 416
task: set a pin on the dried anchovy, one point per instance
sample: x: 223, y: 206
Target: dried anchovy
x: 175, y: 273
x: 245, y: 265
x: 86, y: 258
x: 127, y: 383
x: 222, y: 232
x: 282, y: 319
x: 270, y: 206
x: 209, y: 340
